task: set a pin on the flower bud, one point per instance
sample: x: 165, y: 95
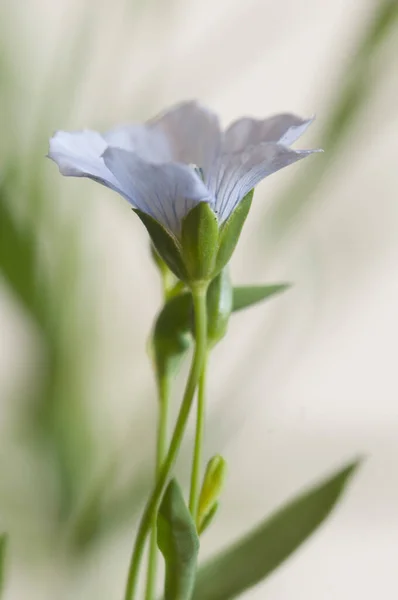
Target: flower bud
x: 172, y: 336
x: 213, y: 483
x: 219, y: 306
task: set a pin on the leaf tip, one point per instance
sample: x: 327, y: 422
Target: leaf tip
x: 353, y: 466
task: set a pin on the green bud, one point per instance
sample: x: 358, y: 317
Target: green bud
x: 199, y: 240
x: 219, y: 306
x: 165, y: 244
x: 172, y: 336
x: 213, y: 483
x: 230, y: 232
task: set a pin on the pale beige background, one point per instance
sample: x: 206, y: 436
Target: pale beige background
x: 299, y: 386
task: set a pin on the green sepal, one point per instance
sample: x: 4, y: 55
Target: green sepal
x: 246, y: 295
x: 213, y: 483
x: 3, y: 552
x: 261, y: 551
x: 199, y: 242
x: 178, y: 541
x: 172, y: 337
x: 169, y: 280
x: 166, y: 246
x: 158, y: 260
x: 231, y: 230
x: 208, y: 519
x: 219, y: 306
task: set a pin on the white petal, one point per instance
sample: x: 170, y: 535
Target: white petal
x: 285, y: 129
x: 150, y: 144
x: 79, y: 154
x: 193, y: 133
x: 236, y: 174
x: 166, y: 192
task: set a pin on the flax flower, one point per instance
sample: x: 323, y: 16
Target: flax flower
x: 168, y: 165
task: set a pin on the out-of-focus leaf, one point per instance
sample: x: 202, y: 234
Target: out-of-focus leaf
x: 179, y: 544
x: 55, y: 417
x: 18, y: 260
x: 358, y: 83
x: 103, y: 510
x: 246, y: 295
x: 66, y: 73
x: 3, y: 552
x: 254, y: 557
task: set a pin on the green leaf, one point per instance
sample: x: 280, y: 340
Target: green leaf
x: 246, y: 295
x: 3, y: 550
x: 55, y: 412
x: 351, y: 95
x: 231, y: 230
x: 18, y: 260
x: 199, y: 239
x: 179, y: 544
x: 255, y: 556
x: 165, y: 245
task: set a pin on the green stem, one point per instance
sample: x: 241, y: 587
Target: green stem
x: 161, y: 451
x: 199, y: 302
x: 198, y: 448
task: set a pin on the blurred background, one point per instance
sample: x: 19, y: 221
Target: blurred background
x: 299, y: 386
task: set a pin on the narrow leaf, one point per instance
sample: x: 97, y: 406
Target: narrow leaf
x: 55, y: 413
x: 179, y: 543
x: 3, y: 549
x: 245, y: 296
x: 255, y: 556
x: 18, y: 260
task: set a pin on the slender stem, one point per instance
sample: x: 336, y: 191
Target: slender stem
x: 161, y: 451
x: 199, y: 302
x: 198, y: 448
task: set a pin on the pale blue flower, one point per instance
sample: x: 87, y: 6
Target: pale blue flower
x: 182, y: 157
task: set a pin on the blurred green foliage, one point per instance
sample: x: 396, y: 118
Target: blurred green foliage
x: 358, y: 83
x: 3, y: 552
x: 40, y: 263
